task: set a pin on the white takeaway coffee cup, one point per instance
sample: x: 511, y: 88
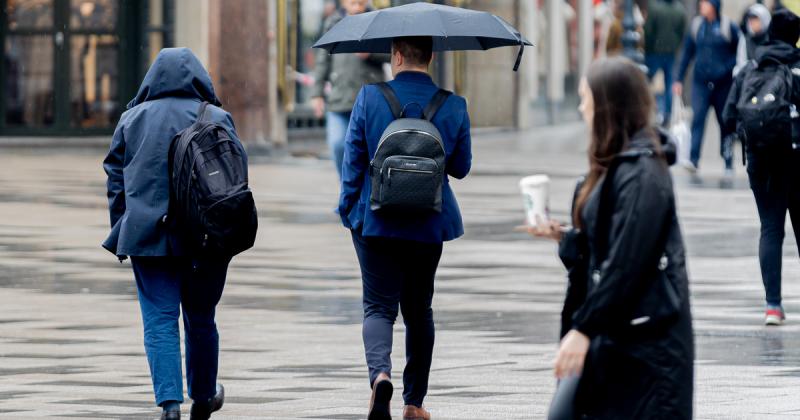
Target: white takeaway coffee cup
x: 536, y: 197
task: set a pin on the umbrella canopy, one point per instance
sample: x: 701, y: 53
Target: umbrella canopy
x: 452, y: 29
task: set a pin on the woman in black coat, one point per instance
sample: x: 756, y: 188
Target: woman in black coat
x: 626, y: 324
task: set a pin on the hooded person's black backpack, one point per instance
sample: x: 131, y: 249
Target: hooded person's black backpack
x: 211, y: 204
x: 765, y: 108
x: 407, y: 171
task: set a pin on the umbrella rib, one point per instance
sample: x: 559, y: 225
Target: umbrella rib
x: 441, y: 23
x: 366, y: 28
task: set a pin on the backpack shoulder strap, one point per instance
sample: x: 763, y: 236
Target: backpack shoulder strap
x: 391, y: 98
x: 439, y: 98
x: 695, y: 28
x: 201, y: 113
x: 725, y: 28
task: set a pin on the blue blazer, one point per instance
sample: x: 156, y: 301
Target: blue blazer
x: 371, y: 115
x: 136, y: 165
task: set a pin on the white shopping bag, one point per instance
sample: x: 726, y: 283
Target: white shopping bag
x: 679, y: 128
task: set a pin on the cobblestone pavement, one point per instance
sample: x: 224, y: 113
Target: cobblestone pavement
x: 70, y: 330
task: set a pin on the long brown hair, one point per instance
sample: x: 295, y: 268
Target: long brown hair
x: 623, y: 106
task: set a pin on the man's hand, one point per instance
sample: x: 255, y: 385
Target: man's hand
x: 363, y: 56
x: 318, y: 104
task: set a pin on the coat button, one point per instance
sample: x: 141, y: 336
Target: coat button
x: 663, y: 263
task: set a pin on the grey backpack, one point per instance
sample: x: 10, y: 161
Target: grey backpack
x: 407, y: 171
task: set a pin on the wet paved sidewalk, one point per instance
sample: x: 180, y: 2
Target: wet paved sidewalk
x: 70, y: 330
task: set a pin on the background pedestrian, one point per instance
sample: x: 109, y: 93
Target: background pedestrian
x: 346, y: 73
x: 626, y: 320
x: 711, y: 41
x: 167, y: 279
x: 772, y: 163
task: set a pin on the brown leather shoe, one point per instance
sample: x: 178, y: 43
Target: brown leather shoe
x: 382, y: 389
x: 412, y: 412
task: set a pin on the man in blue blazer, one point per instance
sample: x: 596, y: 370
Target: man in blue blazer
x: 138, y: 198
x: 399, y: 254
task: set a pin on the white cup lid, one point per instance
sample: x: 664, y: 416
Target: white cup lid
x: 534, y: 180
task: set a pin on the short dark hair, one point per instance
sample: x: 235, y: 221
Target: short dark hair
x: 785, y: 26
x: 418, y: 50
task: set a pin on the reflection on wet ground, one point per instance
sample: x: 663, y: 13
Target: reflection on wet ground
x: 70, y: 333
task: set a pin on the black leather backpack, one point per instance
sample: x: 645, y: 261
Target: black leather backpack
x: 407, y: 171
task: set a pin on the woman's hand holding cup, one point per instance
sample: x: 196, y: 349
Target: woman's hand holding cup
x: 548, y: 229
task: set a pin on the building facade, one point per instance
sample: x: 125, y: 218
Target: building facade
x: 70, y: 66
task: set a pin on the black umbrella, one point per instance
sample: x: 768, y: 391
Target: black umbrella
x: 452, y: 29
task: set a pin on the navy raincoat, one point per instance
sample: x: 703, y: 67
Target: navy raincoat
x: 136, y: 165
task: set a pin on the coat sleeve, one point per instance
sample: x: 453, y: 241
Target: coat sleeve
x: 730, y: 115
x: 689, y: 49
x: 322, y: 66
x: 572, y: 250
x: 741, y: 56
x: 356, y: 160
x: 321, y: 72
x: 115, y: 184
x: 572, y: 246
x: 460, y: 161
x: 632, y: 253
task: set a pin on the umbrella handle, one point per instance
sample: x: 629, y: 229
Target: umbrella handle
x: 519, y: 54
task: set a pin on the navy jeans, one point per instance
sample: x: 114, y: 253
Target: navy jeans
x: 165, y: 285
x: 398, y: 272
x: 336, y: 124
x: 665, y: 63
x: 705, y: 95
x: 775, y: 192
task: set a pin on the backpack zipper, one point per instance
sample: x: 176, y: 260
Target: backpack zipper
x: 416, y: 171
x: 383, y: 139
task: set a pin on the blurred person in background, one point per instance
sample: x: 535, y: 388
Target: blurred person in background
x: 711, y: 42
x: 772, y: 163
x: 346, y: 74
x: 664, y: 28
x: 754, y: 31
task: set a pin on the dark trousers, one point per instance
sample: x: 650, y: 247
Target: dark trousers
x: 705, y: 95
x: 665, y: 63
x: 775, y: 191
x: 397, y: 272
x: 165, y: 285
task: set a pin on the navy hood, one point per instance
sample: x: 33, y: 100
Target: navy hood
x: 176, y: 72
x: 717, y: 6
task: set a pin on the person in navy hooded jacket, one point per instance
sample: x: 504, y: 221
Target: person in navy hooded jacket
x: 399, y: 254
x: 138, y: 198
x: 712, y: 41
